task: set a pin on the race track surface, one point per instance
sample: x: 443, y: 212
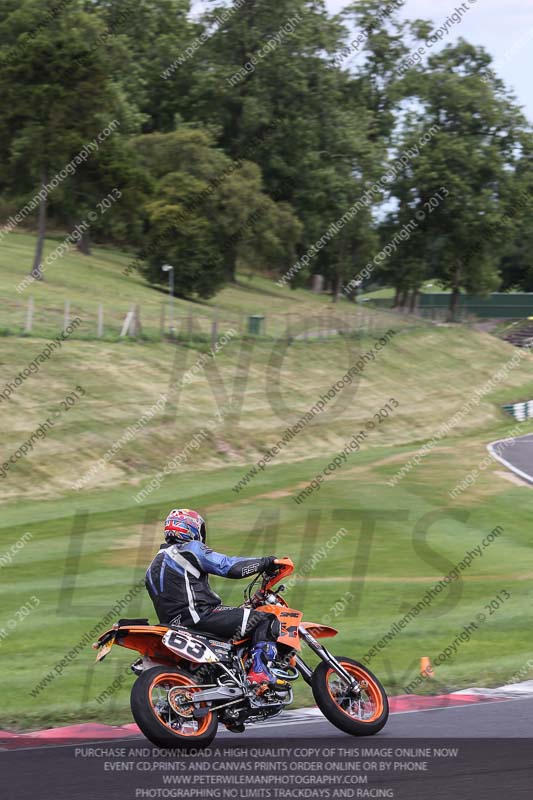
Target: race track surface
x: 477, y: 750
x: 515, y: 454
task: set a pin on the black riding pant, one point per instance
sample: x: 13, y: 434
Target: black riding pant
x: 237, y: 623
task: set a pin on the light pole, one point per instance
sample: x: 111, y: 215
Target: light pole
x: 168, y: 268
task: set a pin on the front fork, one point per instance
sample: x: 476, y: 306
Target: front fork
x: 307, y: 673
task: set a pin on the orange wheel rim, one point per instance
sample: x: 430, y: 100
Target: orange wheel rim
x: 370, y: 706
x: 163, y: 710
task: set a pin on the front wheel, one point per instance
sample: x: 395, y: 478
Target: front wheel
x: 162, y: 708
x: 360, y: 714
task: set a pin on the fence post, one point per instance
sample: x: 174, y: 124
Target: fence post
x: 137, y: 327
x: 214, y: 333
x: 100, y: 323
x: 162, y: 319
x: 66, y: 314
x: 126, y: 327
x: 29, y: 316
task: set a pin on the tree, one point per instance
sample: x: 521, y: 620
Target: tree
x: 254, y: 230
x: 56, y: 102
x: 463, y: 181
x: 155, y: 35
x: 410, y: 259
x: 295, y: 114
x: 372, y: 55
x: 515, y: 228
x: 197, y: 214
x: 113, y: 172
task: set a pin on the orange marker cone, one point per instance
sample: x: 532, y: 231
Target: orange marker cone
x: 426, y: 667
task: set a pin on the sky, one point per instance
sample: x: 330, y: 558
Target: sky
x: 503, y: 27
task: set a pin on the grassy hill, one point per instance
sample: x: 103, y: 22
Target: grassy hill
x: 88, y: 547
x: 423, y: 371
x: 87, y: 281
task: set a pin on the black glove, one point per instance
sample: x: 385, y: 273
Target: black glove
x: 269, y: 565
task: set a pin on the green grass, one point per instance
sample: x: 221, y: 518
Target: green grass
x: 387, y: 292
x: 273, y: 383
x: 425, y: 372
x: 87, y: 281
x: 120, y: 539
x: 375, y: 573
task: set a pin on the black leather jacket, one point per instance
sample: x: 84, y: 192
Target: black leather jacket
x: 178, y: 584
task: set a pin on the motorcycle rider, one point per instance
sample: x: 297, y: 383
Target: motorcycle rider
x: 177, y: 581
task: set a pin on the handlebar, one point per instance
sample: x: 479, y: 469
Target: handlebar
x: 285, y: 567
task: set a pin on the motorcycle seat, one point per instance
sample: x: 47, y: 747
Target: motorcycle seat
x: 209, y: 635
x: 134, y: 621
x: 198, y: 632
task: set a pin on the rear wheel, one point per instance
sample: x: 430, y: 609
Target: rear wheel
x: 362, y: 713
x: 161, y: 704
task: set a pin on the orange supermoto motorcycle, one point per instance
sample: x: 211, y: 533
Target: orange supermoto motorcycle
x: 189, y: 681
